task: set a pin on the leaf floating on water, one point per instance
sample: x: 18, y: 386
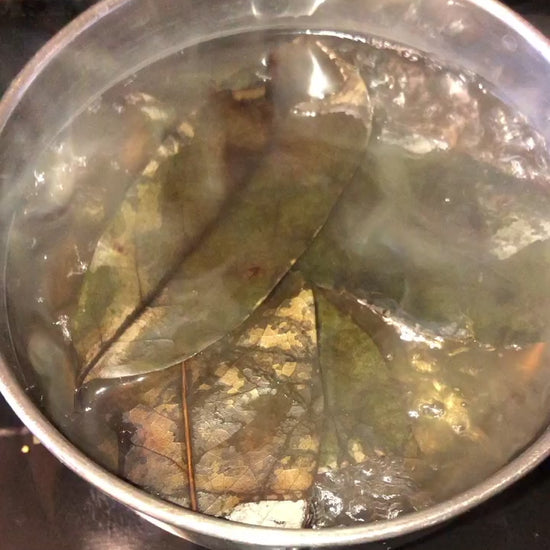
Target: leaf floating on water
x: 252, y: 246
x: 179, y: 194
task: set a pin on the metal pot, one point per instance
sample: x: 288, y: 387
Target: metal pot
x: 114, y: 39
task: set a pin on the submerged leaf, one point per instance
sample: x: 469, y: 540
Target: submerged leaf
x: 418, y: 236
x: 155, y: 441
x: 254, y: 404
x: 366, y: 403
x: 510, y: 303
x: 367, y: 431
x: 180, y: 192
x: 256, y: 241
x: 498, y: 302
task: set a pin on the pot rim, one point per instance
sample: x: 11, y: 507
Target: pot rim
x: 193, y: 522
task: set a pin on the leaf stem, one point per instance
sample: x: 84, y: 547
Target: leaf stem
x: 188, y: 443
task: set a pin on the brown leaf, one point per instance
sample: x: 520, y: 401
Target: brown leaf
x: 153, y: 440
x: 255, y: 436
x: 254, y: 401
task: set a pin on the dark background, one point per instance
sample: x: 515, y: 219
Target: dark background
x: 44, y: 506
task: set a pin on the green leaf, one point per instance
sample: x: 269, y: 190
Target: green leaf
x: 242, y: 258
x: 362, y: 394
x: 510, y: 303
x: 367, y: 428
x: 423, y: 237
x: 180, y: 193
x: 205, y: 290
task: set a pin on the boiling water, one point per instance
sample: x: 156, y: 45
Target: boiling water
x: 293, y: 281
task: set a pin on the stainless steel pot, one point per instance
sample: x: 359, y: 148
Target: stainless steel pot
x: 115, y: 38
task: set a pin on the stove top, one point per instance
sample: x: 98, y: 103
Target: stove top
x: 44, y: 506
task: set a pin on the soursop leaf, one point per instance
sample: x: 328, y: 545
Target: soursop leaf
x: 180, y: 192
x: 363, y: 471
x: 255, y: 404
x: 234, y: 430
x: 258, y: 236
x: 510, y: 304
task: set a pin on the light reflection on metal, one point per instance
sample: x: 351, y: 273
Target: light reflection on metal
x: 292, y: 8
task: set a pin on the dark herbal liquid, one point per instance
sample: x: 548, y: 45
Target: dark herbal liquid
x: 292, y: 281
